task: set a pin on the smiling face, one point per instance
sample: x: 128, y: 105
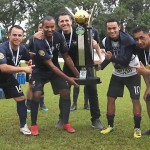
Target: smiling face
x: 113, y: 30
x: 142, y: 39
x: 49, y: 28
x: 65, y: 23
x: 15, y: 37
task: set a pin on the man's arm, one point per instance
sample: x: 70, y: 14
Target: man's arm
x: 51, y: 66
x: 98, y: 51
x: 70, y: 64
x: 147, y: 82
x: 12, y: 69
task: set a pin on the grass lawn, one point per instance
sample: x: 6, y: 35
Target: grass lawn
x: 85, y: 138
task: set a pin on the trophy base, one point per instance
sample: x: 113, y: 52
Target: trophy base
x: 89, y: 80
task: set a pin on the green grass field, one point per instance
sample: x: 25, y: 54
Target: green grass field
x: 85, y: 138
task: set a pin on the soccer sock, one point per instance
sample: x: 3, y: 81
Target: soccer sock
x: 60, y: 108
x: 75, y: 94
x: 110, y: 119
x: 22, y: 112
x: 28, y: 102
x: 41, y: 101
x: 34, y: 111
x: 137, y: 121
x: 65, y: 104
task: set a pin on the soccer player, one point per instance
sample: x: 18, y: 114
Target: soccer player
x: 11, y: 52
x: 29, y: 90
x: 69, y: 34
x: 141, y: 35
x: 119, y: 48
x: 47, y: 68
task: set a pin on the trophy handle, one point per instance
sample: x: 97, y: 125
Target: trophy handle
x: 69, y: 10
x: 92, y: 13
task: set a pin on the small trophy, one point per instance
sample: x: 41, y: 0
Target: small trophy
x: 85, y: 49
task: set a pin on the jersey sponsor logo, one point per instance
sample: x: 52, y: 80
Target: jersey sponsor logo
x: 125, y: 72
x: 41, y: 53
x: 1, y: 56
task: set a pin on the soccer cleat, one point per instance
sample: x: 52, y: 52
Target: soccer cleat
x: 34, y: 130
x: 87, y: 107
x: 137, y: 132
x: 107, y: 130
x: 59, y: 124
x: 147, y: 132
x: 73, y: 107
x: 44, y: 108
x: 96, y: 124
x: 25, y: 130
x: 69, y: 128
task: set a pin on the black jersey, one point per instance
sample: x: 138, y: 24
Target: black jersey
x: 73, y: 47
x: 8, y: 56
x: 49, y: 50
x: 30, y: 44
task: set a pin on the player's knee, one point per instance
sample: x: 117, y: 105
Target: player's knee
x: 37, y: 96
x: 65, y: 94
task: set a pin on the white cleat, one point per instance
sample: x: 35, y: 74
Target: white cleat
x: 25, y: 130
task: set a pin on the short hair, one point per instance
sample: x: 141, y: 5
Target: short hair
x: 64, y: 14
x: 112, y: 20
x: 49, y: 18
x: 15, y: 26
x: 140, y: 28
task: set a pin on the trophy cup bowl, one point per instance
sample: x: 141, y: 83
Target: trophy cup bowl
x: 81, y: 17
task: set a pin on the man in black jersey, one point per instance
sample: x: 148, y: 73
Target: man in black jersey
x: 119, y: 48
x: 141, y: 35
x: 29, y: 44
x: 69, y: 34
x: 47, y: 68
x: 11, y: 52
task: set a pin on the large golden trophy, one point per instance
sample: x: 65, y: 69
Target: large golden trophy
x: 85, y: 49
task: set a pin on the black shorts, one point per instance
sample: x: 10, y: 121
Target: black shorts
x: 12, y: 88
x: 116, y: 86
x: 40, y: 78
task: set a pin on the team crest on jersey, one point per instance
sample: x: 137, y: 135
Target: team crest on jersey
x: 1, y: 55
x: 41, y: 53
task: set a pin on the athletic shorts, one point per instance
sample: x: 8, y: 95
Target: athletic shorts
x: 12, y: 88
x: 116, y: 86
x: 40, y: 78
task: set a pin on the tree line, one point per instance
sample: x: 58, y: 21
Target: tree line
x: 128, y: 12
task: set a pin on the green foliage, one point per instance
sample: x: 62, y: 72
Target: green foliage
x: 129, y: 12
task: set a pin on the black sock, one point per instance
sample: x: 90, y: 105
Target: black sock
x: 60, y: 108
x: 34, y: 111
x: 110, y: 119
x: 41, y: 101
x: 22, y: 112
x: 65, y: 106
x: 137, y: 121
